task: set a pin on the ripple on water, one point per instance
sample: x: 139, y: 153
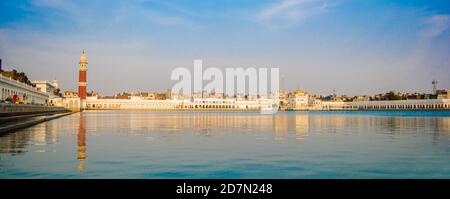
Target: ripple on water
x: 146, y: 144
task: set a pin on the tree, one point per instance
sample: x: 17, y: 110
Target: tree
x: 21, y: 77
x: 392, y: 96
x: 57, y: 92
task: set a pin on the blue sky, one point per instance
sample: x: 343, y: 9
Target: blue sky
x: 351, y: 46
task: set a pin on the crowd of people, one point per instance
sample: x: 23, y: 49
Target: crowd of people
x: 11, y: 100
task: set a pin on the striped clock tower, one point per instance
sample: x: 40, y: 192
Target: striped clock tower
x: 82, y: 76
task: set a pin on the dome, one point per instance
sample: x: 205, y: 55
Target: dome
x: 83, y: 58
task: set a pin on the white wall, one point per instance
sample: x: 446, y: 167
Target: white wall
x: 10, y: 87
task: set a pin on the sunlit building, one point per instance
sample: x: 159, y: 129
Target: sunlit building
x: 298, y: 100
x: 46, y: 86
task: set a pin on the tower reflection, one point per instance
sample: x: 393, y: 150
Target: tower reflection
x: 81, y: 142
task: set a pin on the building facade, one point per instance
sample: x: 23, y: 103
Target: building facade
x: 25, y: 93
x: 400, y: 104
x: 82, y: 76
x: 298, y: 101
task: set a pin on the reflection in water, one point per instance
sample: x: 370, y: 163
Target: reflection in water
x: 282, y: 126
x: 298, y: 124
x: 81, y: 142
x: 181, y: 144
x: 40, y: 134
x: 14, y: 143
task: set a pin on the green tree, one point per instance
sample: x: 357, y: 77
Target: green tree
x: 57, y: 92
x: 392, y: 96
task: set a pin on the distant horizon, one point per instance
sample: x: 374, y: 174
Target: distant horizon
x: 350, y: 47
x: 286, y: 90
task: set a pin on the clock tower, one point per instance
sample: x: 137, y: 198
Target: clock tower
x: 82, y: 76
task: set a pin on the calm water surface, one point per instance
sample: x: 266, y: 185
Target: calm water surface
x: 182, y: 144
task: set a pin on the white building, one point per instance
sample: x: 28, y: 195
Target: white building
x: 400, y: 104
x: 298, y: 101
x: 26, y: 93
x: 93, y: 103
x: 334, y: 105
x: 46, y: 87
x: 421, y: 104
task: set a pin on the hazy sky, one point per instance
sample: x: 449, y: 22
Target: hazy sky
x: 351, y: 46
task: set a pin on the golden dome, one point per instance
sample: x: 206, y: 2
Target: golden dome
x: 83, y: 58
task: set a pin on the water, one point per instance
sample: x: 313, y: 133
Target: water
x: 182, y: 144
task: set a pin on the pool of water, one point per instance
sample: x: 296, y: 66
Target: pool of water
x: 184, y: 144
